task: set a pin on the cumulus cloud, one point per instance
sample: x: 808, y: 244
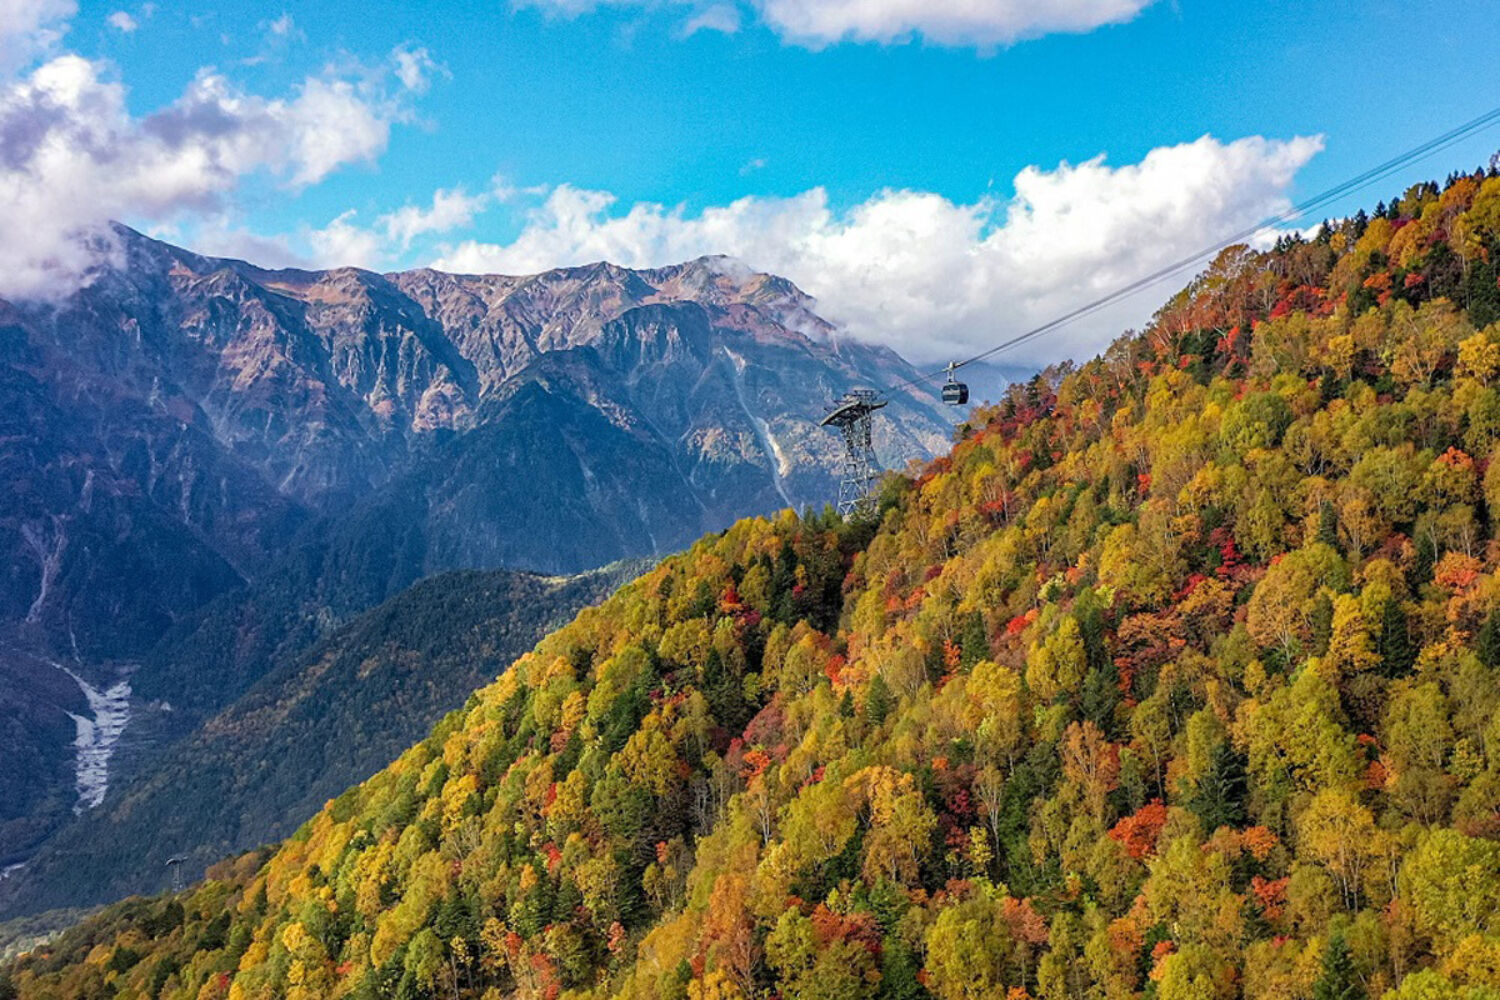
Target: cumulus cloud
x: 220, y: 236
x: 122, y: 21
x: 415, y: 68
x: 283, y: 27
x: 817, y: 23
x: 343, y: 242
x: 933, y: 278
x: 72, y: 156
x: 450, y: 209
x: 29, y: 28
x: 277, y: 38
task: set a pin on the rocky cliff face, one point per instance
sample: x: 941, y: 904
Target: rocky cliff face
x: 188, y: 427
x: 214, y: 407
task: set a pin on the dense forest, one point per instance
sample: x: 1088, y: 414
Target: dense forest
x: 319, y: 719
x: 1177, y: 678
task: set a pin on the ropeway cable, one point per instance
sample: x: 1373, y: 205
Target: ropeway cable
x: 1349, y: 186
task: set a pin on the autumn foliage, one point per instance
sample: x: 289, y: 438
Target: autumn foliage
x: 1178, y: 678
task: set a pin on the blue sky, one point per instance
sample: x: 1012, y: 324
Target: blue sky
x: 568, y: 132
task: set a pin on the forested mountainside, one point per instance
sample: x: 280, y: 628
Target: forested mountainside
x: 1177, y: 678
x: 20, y: 935
x: 321, y: 718
x: 209, y: 465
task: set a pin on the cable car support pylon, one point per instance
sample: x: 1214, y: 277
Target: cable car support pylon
x: 851, y: 415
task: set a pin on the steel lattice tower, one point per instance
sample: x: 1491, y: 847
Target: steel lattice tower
x: 851, y: 415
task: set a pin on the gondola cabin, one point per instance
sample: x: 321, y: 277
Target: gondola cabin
x: 955, y: 393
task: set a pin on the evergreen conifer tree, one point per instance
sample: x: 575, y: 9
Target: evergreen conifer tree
x: 1220, y: 797
x: 1487, y: 642
x: 878, y: 700
x: 1339, y: 980
x: 1396, y: 652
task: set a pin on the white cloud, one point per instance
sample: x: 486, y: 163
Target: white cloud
x: 342, y: 243
x: 278, y: 36
x: 933, y: 278
x: 219, y: 236
x: 451, y: 209
x: 817, y: 23
x: 29, y: 28
x: 122, y: 21
x: 415, y: 68
x: 72, y: 156
x: 721, y: 17
x: 942, y: 22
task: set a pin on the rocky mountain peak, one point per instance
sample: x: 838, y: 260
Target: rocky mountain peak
x: 206, y: 384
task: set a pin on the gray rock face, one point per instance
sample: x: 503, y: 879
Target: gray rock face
x: 552, y: 421
x: 178, y: 430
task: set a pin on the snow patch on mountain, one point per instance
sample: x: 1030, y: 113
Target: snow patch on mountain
x: 97, y: 737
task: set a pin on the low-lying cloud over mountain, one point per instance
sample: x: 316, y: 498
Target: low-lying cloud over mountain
x: 931, y: 277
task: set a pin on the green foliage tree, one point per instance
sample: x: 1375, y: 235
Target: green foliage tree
x: 1397, y: 655
x: 878, y: 700
x: 1338, y: 979
x: 1219, y: 799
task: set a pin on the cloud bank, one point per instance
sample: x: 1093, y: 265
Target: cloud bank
x: 344, y: 242
x: 930, y: 277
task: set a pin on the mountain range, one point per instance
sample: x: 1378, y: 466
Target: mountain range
x: 211, y: 465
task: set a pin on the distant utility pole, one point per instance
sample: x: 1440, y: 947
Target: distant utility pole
x: 174, y: 865
x: 851, y: 415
